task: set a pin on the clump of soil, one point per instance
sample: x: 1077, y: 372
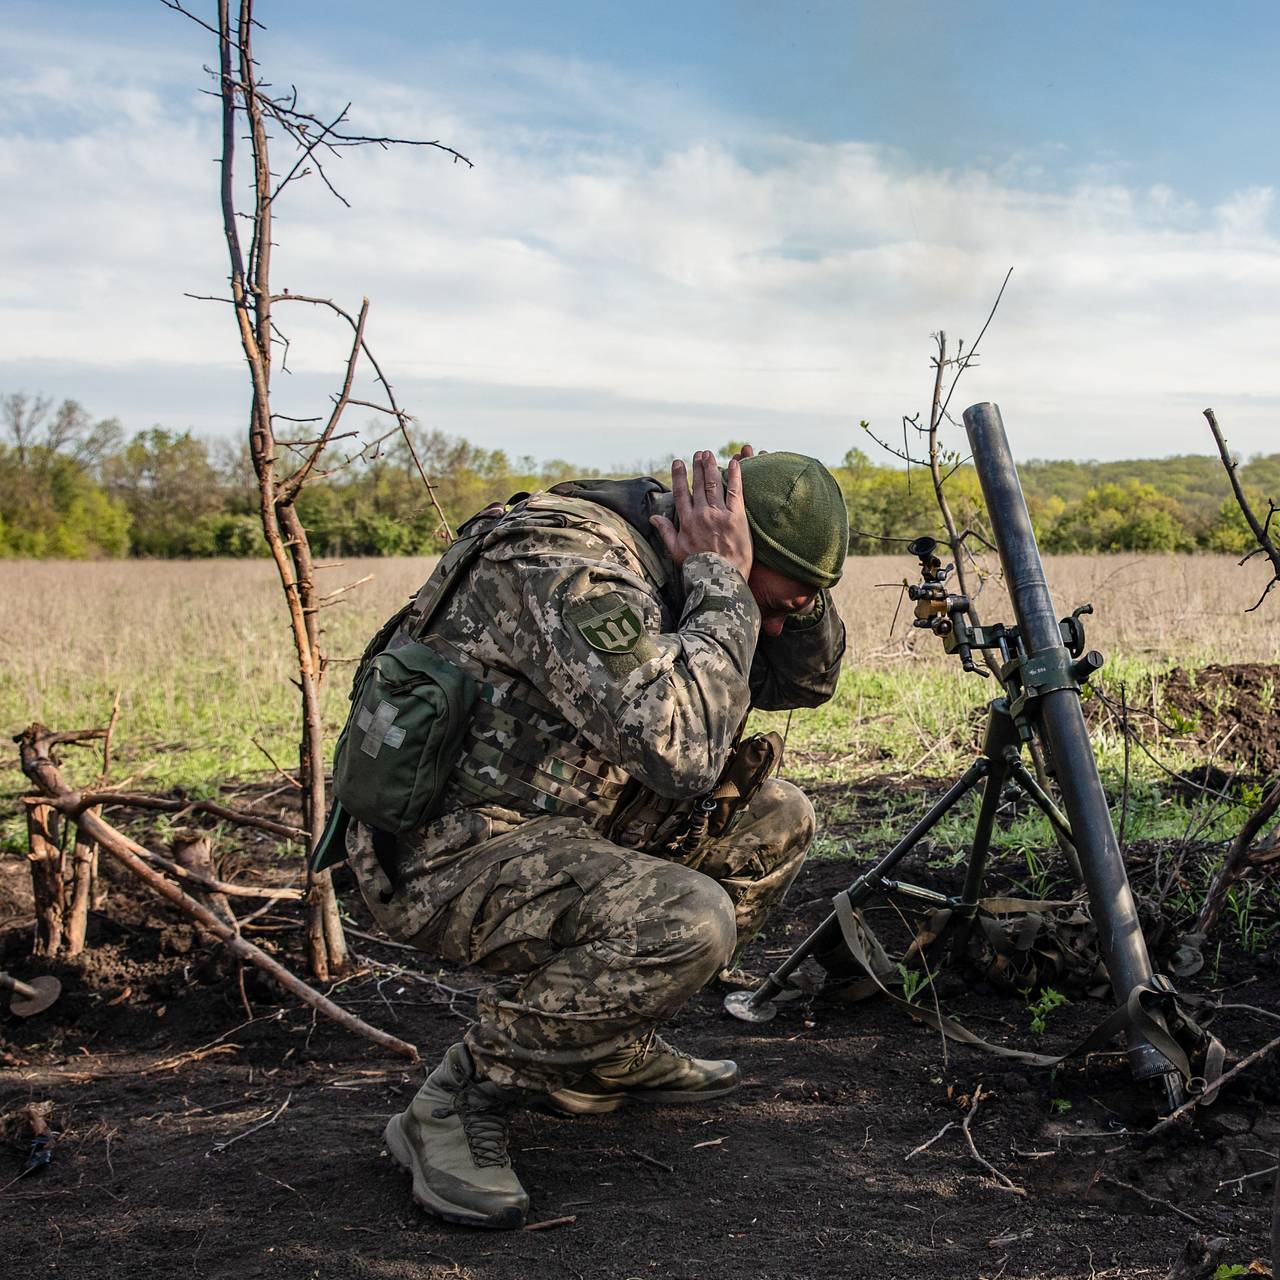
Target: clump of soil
x: 1228, y: 710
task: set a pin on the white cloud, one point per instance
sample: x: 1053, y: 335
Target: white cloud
x: 1247, y: 215
x: 644, y: 265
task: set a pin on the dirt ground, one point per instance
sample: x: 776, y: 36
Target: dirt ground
x: 196, y: 1140
x: 1228, y: 711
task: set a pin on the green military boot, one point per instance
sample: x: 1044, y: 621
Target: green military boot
x: 651, y: 1070
x: 453, y: 1139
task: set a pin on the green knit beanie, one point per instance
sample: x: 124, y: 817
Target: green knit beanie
x: 799, y: 523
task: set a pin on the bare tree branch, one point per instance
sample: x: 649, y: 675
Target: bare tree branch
x: 973, y: 351
x: 1239, y: 857
x: 288, y: 489
x: 1261, y: 531
x: 392, y: 407
x: 251, y: 107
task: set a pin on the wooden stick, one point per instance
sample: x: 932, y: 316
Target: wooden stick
x: 1149, y: 1198
x: 44, y: 855
x: 262, y: 1124
x: 166, y: 804
x: 81, y: 883
x: 39, y: 767
x: 106, y: 738
x: 117, y: 845
x: 209, y: 883
x: 1003, y: 1181
x: 1213, y: 1089
x: 924, y: 1146
x: 195, y: 855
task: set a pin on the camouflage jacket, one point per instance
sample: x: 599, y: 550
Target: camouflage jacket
x: 601, y: 664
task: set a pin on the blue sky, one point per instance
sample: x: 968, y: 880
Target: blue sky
x: 687, y: 223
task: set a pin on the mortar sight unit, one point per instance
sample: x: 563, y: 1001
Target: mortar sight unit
x: 949, y: 615
x: 1041, y: 663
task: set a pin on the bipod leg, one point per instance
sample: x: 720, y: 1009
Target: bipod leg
x: 1057, y: 819
x: 1066, y: 845
x: 758, y: 1005
x: 975, y: 873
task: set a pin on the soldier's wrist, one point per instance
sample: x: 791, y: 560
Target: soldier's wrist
x: 702, y: 562
x: 810, y: 617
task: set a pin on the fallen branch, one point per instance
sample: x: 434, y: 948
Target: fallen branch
x: 924, y: 1146
x: 40, y: 768
x: 1148, y: 1197
x: 1209, y: 1094
x: 657, y: 1164
x: 263, y: 1124
x: 111, y: 840
x: 1248, y: 1177
x: 209, y: 883
x: 194, y: 855
x: 1004, y: 1182
x: 165, y: 804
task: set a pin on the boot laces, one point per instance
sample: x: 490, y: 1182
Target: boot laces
x: 652, y: 1043
x: 485, y: 1122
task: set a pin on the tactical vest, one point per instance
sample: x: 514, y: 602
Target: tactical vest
x: 517, y: 749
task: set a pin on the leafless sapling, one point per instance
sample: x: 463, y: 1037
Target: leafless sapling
x: 1247, y: 852
x: 250, y: 106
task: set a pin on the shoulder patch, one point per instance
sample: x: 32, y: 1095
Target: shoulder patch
x: 609, y: 623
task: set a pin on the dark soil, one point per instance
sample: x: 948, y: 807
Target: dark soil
x: 1225, y: 712
x: 198, y: 1141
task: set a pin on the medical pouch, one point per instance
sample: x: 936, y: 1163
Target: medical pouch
x: 410, y: 709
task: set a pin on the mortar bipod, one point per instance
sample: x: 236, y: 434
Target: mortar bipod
x: 999, y: 766
x: 1041, y: 663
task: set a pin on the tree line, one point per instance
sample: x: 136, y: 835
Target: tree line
x: 74, y: 487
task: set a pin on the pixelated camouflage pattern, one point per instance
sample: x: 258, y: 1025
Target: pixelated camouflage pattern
x: 664, y: 712
x: 579, y: 722
x: 596, y: 944
x: 517, y: 875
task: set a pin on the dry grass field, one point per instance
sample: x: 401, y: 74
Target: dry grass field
x: 200, y: 654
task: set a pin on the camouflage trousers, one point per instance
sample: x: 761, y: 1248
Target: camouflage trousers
x: 594, y: 943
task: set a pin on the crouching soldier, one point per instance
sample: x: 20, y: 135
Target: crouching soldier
x: 588, y: 825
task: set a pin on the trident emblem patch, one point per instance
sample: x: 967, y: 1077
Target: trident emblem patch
x: 379, y: 729
x: 613, y: 628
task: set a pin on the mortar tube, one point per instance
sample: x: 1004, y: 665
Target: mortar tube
x: 1061, y: 722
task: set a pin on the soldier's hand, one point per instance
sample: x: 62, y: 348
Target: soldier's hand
x: 711, y: 517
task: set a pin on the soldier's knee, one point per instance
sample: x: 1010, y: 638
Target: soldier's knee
x: 713, y: 911
x: 692, y: 928
x: 787, y: 805
x: 782, y: 822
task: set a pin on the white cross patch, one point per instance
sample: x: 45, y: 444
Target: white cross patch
x: 380, y: 729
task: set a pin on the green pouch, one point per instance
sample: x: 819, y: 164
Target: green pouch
x: 409, y: 710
